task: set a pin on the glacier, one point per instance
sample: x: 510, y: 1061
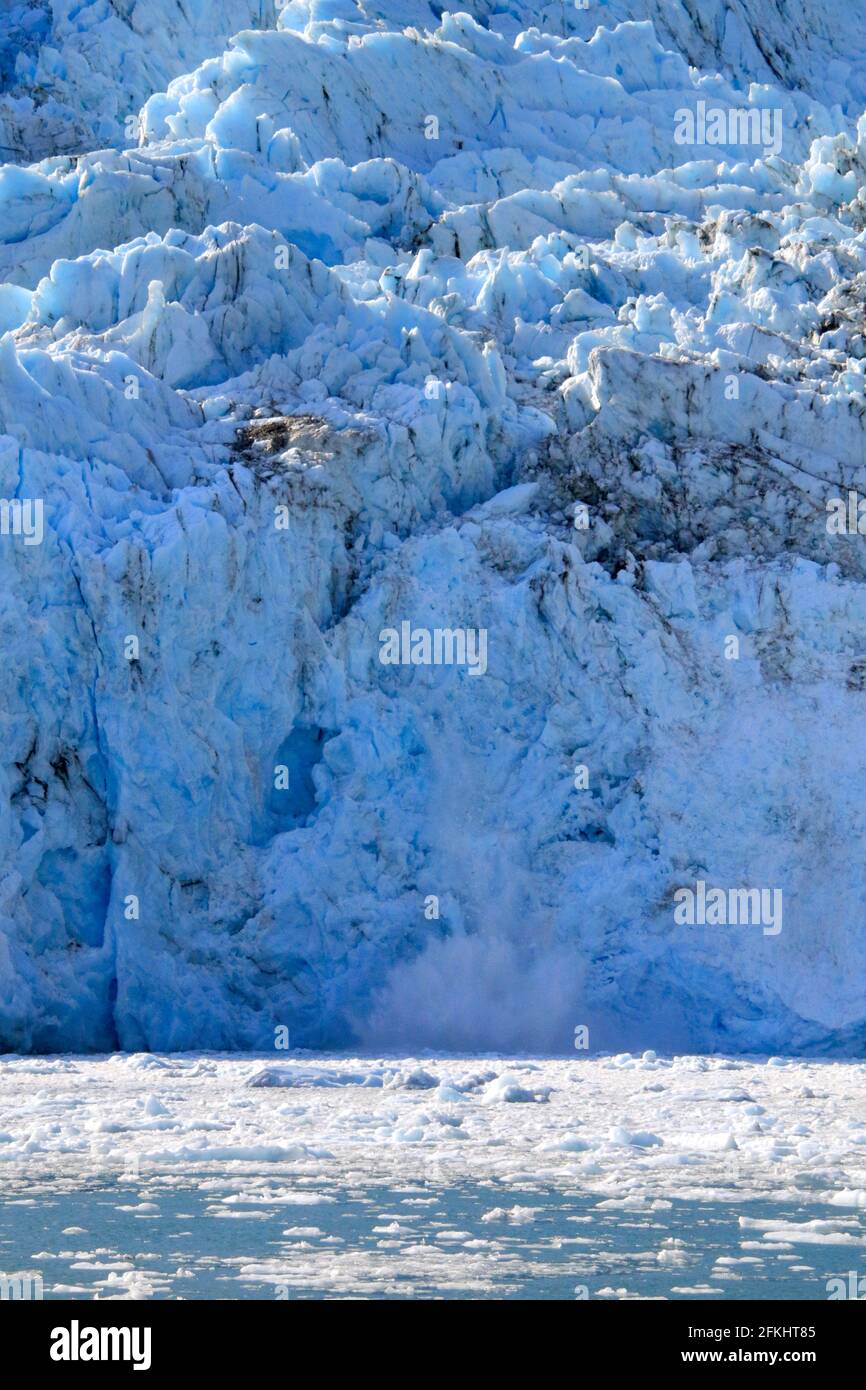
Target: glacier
x: 325, y: 317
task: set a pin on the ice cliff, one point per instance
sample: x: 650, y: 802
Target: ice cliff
x: 377, y: 315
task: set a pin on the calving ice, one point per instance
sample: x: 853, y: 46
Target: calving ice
x: 729, y: 907
x: 731, y: 125
x: 77, y: 1343
x: 438, y: 646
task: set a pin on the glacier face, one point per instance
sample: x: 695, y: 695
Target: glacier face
x: 390, y: 316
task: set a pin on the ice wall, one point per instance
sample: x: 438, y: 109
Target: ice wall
x: 389, y: 318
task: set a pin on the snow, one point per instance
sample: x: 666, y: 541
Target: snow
x: 356, y: 324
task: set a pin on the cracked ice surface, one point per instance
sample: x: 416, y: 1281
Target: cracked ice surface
x: 285, y: 300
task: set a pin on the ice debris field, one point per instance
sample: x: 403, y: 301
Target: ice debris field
x: 145, y: 1176
x: 536, y: 326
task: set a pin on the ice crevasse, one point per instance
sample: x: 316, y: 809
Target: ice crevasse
x: 376, y: 318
